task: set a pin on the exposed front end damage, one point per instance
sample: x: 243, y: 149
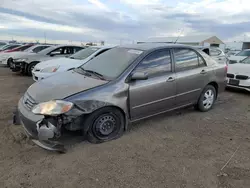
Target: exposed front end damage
x: 51, y: 129
x: 48, y: 115
x: 48, y: 131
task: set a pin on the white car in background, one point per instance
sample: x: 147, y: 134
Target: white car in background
x: 218, y: 55
x: 239, y: 56
x: 238, y: 75
x: 51, y: 67
x: 232, y: 52
x: 6, y: 58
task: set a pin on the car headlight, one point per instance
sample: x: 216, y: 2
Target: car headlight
x: 20, y: 60
x: 50, y: 69
x: 54, y: 107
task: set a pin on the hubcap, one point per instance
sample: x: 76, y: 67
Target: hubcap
x: 208, y: 99
x: 105, y: 125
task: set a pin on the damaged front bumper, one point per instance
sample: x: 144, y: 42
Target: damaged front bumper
x: 17, y: 66
x: 42, y: 131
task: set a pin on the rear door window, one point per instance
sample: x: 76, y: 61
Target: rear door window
x: 185, y: 59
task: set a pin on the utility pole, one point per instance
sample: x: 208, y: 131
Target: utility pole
x: 45, y: 37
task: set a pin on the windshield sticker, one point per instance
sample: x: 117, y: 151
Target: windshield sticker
x: 135, y: 51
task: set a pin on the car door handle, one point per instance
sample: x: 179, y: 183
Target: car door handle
x: 170, y: 79
x: 203, y: 72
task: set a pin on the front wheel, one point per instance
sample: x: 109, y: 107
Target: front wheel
x: 29, y: 69
x: 207, y: 98
x: 9, y: 61
x: 105, y: 124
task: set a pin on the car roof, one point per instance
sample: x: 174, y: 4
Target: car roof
x: 37, y: 45
x: 151, y: 46
x: 62, y: 45
x: 101, y: 47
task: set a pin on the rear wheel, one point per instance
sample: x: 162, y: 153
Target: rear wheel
x: 105, y: 124
x: 207, y: 98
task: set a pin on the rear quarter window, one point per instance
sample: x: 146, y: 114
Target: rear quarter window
x: 207, y: 58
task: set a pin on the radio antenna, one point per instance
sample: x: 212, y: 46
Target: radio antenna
x: 179, y: 35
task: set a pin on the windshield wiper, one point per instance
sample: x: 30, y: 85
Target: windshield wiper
x: 71, y: 57
x: 95, y: 73
x: 90, y: 72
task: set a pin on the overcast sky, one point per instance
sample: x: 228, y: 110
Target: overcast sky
x: 122, y: 20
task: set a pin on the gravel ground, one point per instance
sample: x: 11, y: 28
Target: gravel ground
x: 182, y: 149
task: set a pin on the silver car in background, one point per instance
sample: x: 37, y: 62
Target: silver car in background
x: 123, y: 85
x: 218, y: 55
x: 26, y: 63
x: 7, y: 58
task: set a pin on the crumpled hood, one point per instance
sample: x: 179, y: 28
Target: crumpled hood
x: 239, y: 68
x: 61, y: 86
x: 58, y: 62
x: 237, y: 58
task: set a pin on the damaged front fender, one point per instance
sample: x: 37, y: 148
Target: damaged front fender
x: 90, y: 106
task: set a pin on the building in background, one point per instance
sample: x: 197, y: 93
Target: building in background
x: 199, y: 40
x: 241, y: 45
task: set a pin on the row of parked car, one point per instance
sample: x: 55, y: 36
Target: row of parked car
x: 100, y: 90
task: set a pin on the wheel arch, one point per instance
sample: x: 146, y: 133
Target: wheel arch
x: 215, y: 85
x: 32, y: 62
x: 126, y: 120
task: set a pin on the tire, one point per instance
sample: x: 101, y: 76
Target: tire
x: 30, y: 68
x: 105, y: 124
x: 8, y: 62
x: 207, y: 99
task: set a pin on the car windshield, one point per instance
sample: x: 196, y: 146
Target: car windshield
x: 2, y: 44
x: 1, y: 47
x: 110, y: 64
x: 29, y: 49
x: 245, y: 61
x: 83, y: 54
x: 47, y: 50
x: 243, y: 53
x: 9, y: 47
x: 22, y: 48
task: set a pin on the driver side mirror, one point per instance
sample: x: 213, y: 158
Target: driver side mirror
x: 139, y: 76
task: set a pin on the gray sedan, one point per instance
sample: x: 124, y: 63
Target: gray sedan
x: 120, y: 86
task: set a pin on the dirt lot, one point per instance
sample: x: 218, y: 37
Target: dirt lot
x: 180, y: 149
